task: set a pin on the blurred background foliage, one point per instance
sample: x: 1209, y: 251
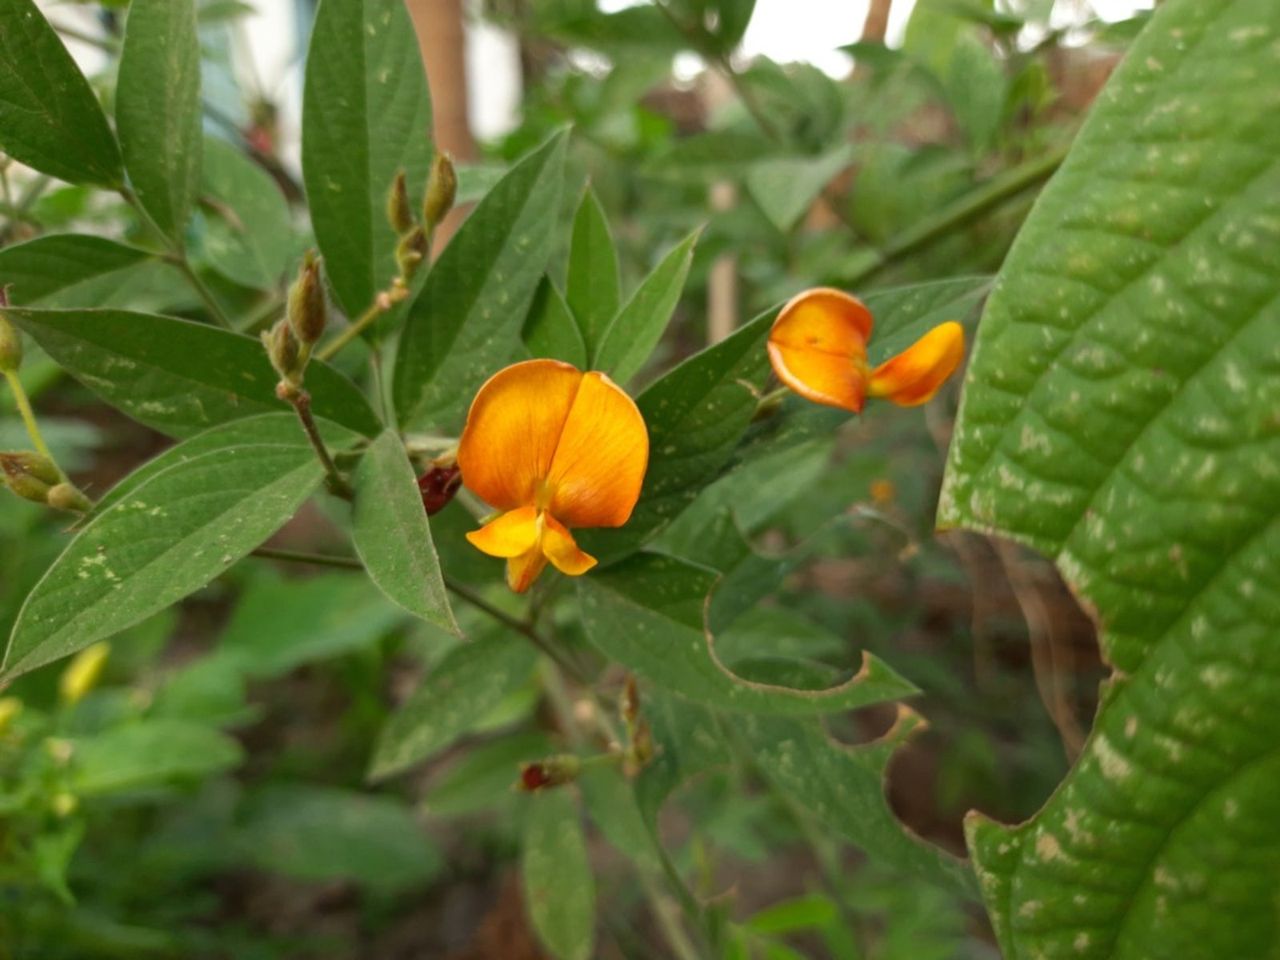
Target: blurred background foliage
x: 207, y: 796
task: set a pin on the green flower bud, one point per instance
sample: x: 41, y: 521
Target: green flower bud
x: 285, y: 352
x: 307, y: 310
x: 411, y: 251
x: 442, y: 188
x: 399, y: 213
x: 66, y: 496
x: 29, y: 475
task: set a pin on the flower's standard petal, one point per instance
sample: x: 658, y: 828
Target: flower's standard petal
x: 510, y: 535
x: 513, y: 429
x: 524, y: 569
x: 599, y: 466
x: 818, y: 347
x: 914, y: 376
x: 562, y: 550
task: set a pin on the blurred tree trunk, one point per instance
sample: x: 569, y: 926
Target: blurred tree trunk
x: 442, y: 39
x: 876, y: 25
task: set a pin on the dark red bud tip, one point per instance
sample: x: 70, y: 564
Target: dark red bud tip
x: 438, y: 486
x: 534, y: 776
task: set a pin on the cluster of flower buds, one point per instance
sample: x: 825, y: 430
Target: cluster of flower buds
x: 34, y: 477
x: 639, y: 750
x: 415, y: 236
x: 290, y: 341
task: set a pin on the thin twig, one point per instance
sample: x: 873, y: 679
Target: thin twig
x: 215, y: 309
x: 315, y: 559
x: 28, y: 415
x: 300, y: 400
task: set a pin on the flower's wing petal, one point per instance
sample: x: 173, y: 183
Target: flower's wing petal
x: 914, y: 375
x: 509, y: 535
x: 818, y: 347
x: 524, y: 569
x: 563, y: 551
x: 513, y: 429
x: 600, y: 463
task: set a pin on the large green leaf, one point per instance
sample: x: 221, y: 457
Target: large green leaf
x: 456, y: 694
x: 639, y: 325
x: 843, y: 786
x: 318, y: 834
x: 392, y: 535
x: 49, y: 117
x: 649, y: 615
x: 149, y: 753
x: 593, y: 288
x: 171, y: 536
x: 366, y: 115
x: 559, y: 890
x: 66, y: 264
x: 181, y: 377
x: 158, y: 109
x: 477, y: 294
x: 1120, y: 415
x: 248, y: 236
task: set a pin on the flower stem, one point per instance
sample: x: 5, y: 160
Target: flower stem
x: 28, y: 415
x: 300, y: 400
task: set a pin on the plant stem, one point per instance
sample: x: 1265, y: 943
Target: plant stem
x: 357, y: 327
x: 28, y: 415
x: 961, y: 213
x: 315, y: 559
x: 215, y: 309
x: 300, y: 400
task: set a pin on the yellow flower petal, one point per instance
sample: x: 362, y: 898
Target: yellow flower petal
x: 599, y: 465
x: 513, y: 430
x: 818, y: 347
x: 524, y: 569
x: 510, y: 535
x: 562, y: 550
x: 914, y: 376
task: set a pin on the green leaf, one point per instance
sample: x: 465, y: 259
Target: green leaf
x: 478, y: 292
x: 456, y: 694
x: 49, y: 117
x: 181, y: 377
x: 1120, y: 415
x: 148, y: 753
x: 319, y: 834
x: 648, y: 614
x: 391, y: 533
x: 549, y: 328
x: 366, y: 115
x: 638, y: 327
x: 843, y: 786
x: 281, y: 624
x: 593, y: 289
x: 248, y: 237
x: 170, y: 537
x: 65, y: 263
x: 786, y: 187
x: 269, y: 428
x: 559, y: 890
x: 482, y: 777
x: 158, y: 109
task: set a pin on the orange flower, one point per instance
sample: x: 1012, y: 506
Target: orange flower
x: 818, y: 348
x: 551, y: 448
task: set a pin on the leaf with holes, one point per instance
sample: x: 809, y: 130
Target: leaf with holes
x: 1120, y: 414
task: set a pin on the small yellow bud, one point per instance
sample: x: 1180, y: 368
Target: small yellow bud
x: 10, y: 707
x: 399, y: 213
x: 10, y: 344
x: 29, y: 475
x: 411, y: 251
x: 67, y: 496
x: 64, y: 804
x: 307, y: 310
x: 285, y: 352
x: 442, y: 189
x: 83, y: 673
